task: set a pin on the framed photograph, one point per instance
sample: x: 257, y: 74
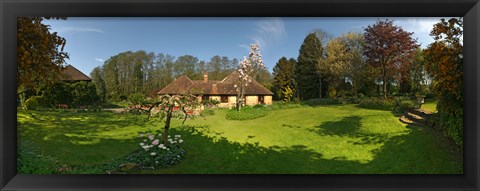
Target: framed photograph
x: 260, y: 95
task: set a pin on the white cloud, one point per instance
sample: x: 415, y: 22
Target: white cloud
x: 420, y: 27
x: 270, y: 31
x: 78, y: 29
x: 99, y: 59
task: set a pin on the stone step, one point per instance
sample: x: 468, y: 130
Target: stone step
x: 420, y: 112
x: 414, y: 117
x: 405, y: 120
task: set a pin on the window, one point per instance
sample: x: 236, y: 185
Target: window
x: 205, y: 98
x: 224, y: 99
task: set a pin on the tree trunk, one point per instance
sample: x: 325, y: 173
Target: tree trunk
x: 167, y: 124
x: 320, y: 86
x: 384, y: 82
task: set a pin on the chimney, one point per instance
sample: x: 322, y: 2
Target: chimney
x: 205, y: 77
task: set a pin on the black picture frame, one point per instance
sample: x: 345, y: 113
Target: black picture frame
x: 468, y: 9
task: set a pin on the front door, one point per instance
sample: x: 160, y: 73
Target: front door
x: 261, y: 100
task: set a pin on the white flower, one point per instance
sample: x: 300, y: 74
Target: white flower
x: 141, y: 135
x: 178, y: 136
x: 180, y: 141
x: 153, y: 154
x: 161, y: 145
x: 144, y: 140
x: 156, y: 162
x: 151, y: 137
x: 169, y: 140
x: 141, y: 144
x: 168, y: 149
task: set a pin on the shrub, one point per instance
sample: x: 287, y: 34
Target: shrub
x: 450, y: 112
x: 322, y: 101
x: 31, y: 103
x: 83, y: 93
x: 154, y: 154
x: 247, y: 113
x: 136, y: 98
x: 283, y: 105
x: 351, y: 100
x: 406, y: 105
x: 207, y: 112
x: 377, y: 103
x: 210, y: 103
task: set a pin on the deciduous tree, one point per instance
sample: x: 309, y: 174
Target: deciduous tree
x: 244, y: 71
x: 40, y: 54
x: 444, y: 61
x: 389, y: 48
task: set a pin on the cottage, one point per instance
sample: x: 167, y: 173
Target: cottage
x: 224, y: 91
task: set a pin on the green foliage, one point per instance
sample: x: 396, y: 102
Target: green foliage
x: 30, y: 162
x: 31, y: 103
x: 406, y: 105
x: 208, y: 112
x: 136, y: 98
x: 155, y: 155
x: 98, y: 80
x: 247, y: 113
x: 450, y: 112
x: 287, y: 94
x: 58, y: 93
x: 378, y: 103
x: 210, y: 103
x: 283, y: 78
x: 322, y: 101
x: 332, y: 92
x: 83, y: 94
x: 306, y: 76
x: 73, y: 94
x: 283, y: 105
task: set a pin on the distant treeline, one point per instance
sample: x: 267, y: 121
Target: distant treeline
x: 141, y: 72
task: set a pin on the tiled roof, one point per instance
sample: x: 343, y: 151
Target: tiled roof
x: 184, y: 85
x: 178, y: 86
x: 71, y: 73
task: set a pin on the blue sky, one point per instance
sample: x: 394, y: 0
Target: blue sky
x: 91, y: 41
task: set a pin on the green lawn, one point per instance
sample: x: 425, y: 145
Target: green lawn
x: 325, y: 139
x: 430, y: 105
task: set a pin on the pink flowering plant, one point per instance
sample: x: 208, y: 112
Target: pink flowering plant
x: 153, y: 153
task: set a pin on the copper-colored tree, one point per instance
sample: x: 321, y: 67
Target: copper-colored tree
x: 39, y: 53
x: 389, y: 48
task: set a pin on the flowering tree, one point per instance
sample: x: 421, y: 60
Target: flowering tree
x: 245, y: 69
x: 164, y: 107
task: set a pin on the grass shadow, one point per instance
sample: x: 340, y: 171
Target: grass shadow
x: 347, y: 126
